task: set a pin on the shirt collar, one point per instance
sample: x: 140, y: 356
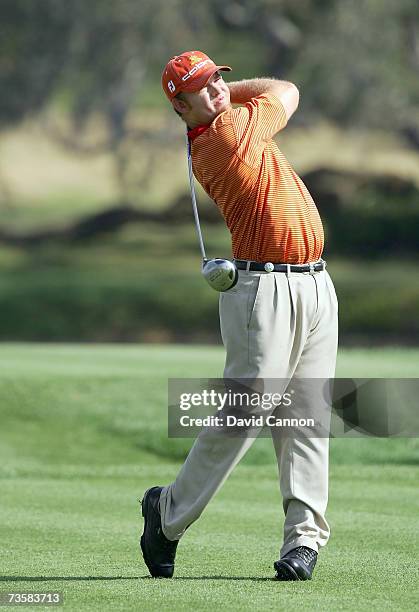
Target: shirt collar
x: 197, y: 131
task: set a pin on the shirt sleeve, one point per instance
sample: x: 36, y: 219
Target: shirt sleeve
x: 256, y: 123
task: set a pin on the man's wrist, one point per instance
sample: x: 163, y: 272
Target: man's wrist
x: 243, y: 91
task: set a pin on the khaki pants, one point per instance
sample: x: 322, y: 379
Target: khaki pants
x: 281, y: 326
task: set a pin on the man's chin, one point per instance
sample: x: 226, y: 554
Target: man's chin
x: 221, y: 108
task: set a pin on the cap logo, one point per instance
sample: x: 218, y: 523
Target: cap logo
x: 193, y: 59
x: 171, y: 86
x: 196, y: 68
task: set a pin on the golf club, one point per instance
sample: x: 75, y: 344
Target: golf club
x: 220, y: 274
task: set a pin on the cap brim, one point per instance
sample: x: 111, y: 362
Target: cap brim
x: 200, y: 82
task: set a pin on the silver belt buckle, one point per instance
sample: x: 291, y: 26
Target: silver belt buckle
x: 312, y: 271
x: 269, y: 267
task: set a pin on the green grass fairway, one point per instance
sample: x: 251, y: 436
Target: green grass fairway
x: 83, y: 433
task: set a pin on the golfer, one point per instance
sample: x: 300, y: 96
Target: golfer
x: 279, y: 321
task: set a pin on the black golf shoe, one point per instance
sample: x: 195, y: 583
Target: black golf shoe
x: 159, y: 553
x: 298, y: 564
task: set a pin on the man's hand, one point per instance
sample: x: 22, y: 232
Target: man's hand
x: 242, y: 91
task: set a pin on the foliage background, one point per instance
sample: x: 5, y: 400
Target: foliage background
x: 96, y: 234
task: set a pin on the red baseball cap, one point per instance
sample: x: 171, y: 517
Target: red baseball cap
x: 189, y: 71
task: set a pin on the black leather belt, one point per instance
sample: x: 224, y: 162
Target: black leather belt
x: 256, y: 266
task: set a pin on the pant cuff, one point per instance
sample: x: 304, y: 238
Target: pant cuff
x: 162, y: 507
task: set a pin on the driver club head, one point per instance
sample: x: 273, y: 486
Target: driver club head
x: 220, y: 274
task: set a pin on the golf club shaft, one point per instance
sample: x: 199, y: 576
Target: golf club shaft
x: 193, y: 196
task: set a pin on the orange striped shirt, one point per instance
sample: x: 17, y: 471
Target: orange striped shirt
x: 268, y: 209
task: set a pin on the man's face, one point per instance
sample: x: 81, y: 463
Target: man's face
x: 207, y: 103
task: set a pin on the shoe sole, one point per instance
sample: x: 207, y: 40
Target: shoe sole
x: 285, y: 572
x: 155, y: 573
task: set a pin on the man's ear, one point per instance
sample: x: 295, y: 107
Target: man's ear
x: 181, y: 106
